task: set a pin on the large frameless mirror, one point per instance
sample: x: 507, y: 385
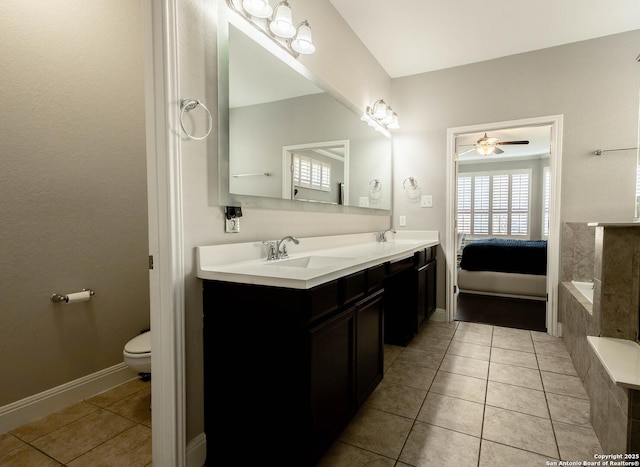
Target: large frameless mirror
x: 287, y: 141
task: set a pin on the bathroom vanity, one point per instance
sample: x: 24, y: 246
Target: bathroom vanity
x: 295, y: 345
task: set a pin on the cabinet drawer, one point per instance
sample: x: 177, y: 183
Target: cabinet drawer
x: 375, y: 277
x: 430, y: 253
x: 399, y: 265
x: 354, y: 286
x: 324, y: 299
x: 425, y: 256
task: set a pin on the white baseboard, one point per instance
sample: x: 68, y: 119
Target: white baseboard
x: 45, y: 403
x: 197, y: 451
x: 440, y: 314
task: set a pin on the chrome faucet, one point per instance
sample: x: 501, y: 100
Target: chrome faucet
x: 271, y: 250
x: 381, y: 236
x: 281, y: 247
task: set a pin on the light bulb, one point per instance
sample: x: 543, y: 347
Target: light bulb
x: 282, y: 23
x: 379, y: 110
x: 394, y: 124
x: 388, y: 118
x: 257, y: 8
x: 303, y: 43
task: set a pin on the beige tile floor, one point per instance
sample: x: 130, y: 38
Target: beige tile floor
x: 466, y: 394
x: 460, y: 394
x: 111, y: 429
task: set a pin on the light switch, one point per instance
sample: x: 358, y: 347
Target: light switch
x: 426, y: 201
x: 403, y: 221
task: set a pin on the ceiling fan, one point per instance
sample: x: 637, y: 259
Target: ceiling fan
x: 489, y: 145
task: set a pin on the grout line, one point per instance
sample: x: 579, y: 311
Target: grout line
x: 486, y: 393
x: 553, y: 430
x: 425, y: 398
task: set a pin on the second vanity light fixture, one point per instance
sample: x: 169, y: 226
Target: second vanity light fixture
x: 381, y: 117
x: 279, y: 25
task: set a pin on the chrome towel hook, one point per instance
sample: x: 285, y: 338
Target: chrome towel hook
x: 187, y: 105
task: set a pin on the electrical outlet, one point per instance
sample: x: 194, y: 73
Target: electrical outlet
x: 232, y: 225
x: 403, y: 221
x: 426, y: 201
x: 364, y: 201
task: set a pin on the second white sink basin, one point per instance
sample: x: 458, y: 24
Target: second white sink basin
x: 309, y: 262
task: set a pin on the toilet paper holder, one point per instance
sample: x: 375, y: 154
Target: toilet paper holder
x: 57, y: 298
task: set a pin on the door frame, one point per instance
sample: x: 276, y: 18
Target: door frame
x: 553, y: 246
x: 166, y: 245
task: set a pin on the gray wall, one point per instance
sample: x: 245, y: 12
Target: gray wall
x: 593, y: 83
x: 73, y: 195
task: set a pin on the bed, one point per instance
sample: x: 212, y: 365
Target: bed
x: 504, y: 267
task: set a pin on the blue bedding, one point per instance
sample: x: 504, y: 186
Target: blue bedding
x: 506, y: 255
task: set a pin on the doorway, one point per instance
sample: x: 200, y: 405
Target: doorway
x: 520, y: 176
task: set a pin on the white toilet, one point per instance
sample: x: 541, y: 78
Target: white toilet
x: 137, y: 353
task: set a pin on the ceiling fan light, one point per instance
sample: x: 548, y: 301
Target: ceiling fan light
x: 303, y: 44
x: 485, y: 150
x: 257, y: 8
x: 282, y: 23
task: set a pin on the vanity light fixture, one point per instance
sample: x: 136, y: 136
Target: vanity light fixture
x: 381, y: 117
x: 277, y: 23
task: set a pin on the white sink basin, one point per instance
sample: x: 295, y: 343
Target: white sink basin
x: 309, y: 262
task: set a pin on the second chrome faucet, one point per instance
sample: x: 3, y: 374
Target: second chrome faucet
x: 278, y: 250
x: 381, y: 236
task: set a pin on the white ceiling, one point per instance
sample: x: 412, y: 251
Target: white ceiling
x: 416, y: 36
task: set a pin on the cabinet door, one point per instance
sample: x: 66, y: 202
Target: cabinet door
x: 332, y: 353
x: 431, y: 287
x: 401, y: 307
x: 369, y: 345
x: 421, y: 278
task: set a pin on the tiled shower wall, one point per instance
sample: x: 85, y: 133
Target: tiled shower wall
x: 608, y: 256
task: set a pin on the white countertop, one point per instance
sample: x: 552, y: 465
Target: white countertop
x: 621, y: 359
x: 335, y: 256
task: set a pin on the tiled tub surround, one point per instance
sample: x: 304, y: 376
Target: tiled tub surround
x: 617, y: 279
x: 609, y: 403
x: 613, y: 313
x: 578, y: 251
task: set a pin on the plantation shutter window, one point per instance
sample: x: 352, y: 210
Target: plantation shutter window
x: 311, y: 173
x: 494, y: 203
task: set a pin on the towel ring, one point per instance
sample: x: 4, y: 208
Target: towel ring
x: 187, y: 105
x: 411, y: 188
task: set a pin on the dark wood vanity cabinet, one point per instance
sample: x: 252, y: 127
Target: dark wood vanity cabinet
x: 410, y: 296
x: 286, y: 369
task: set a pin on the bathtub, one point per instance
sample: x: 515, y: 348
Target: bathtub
x: 585, y: 288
